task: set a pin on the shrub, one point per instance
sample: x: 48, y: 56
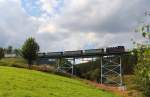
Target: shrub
x: 19, y: 66
x: 142, y: 71
x: 1, y: 53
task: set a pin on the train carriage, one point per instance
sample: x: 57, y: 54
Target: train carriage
x: 54, y: 54
x: 93, y: 51
x: 68, y: 53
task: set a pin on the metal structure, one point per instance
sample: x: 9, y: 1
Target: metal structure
x: 110, y: 63
x: 111, y: 70
x: 67, y: 67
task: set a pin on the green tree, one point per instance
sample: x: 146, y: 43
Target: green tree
x: 1, y: 53
x: 30, y: 50
x: 142, y: 70
x: 17, y: 52
x: 9, y: 49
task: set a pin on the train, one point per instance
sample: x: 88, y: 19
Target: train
x: 54, y: 53
x: 108, y: 50
x: 41, y: 54
x: 118, y: 49
x: 93, y: 51
x: 78, y: 52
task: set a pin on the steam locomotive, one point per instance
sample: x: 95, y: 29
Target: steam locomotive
x: 118, y: 49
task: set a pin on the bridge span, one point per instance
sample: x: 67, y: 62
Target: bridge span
x: 110, y: 61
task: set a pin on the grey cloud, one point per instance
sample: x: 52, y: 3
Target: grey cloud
x: 122, y: 19
x: 127, y: 16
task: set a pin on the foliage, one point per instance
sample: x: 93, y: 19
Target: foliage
x: 142, y: 70
x: 91, y: 70
x: 30, y: 50
x: 17, y: 52
x: 145, y: 34
x: 144, y: 27
x: 93, y: 75
x: 1, y: 53
x: 20, y: 62
x: 17, y: 82
x: 9, y: 50
x: 65, y: 63
x: 129, y: 61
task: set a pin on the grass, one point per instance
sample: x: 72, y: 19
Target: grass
x: 17, y: 82
x: 132, y: 89
x: 12, y: 61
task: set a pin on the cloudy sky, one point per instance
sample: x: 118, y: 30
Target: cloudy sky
x: 59, y: 25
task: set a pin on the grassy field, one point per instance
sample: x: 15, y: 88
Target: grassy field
x: 16, y: 82
x: 12, y: 61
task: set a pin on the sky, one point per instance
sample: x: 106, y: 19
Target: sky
x: 59, y: 25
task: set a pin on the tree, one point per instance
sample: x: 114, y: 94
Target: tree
x: 142, y: 70
x: 17, y: 52
x: 1, y: 53
x: 145, y: 31
x: 30, y: 50
x: 9, y: 49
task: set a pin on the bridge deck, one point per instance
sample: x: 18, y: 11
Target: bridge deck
x: 82, y: 55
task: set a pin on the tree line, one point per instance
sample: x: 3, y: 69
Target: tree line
x: 28, y: 51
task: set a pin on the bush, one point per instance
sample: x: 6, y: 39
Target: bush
x: 1, y: 53
x: 19, y: 66
x: 93, y: 75
x: 49, y: 69
x: 142, y: 72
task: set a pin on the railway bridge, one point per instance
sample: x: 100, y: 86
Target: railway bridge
x: 110, y: 61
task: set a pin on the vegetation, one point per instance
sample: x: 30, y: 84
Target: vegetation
x: 16, y: 82
x: 9, y: 50
x: 1, y: 53
x: 66, y: 65
x: 29, y: 50
x: 14, y: 62
x: 142, y: 70
x: 22, y: 87
x: 21, y: 63
x: 91, y: 70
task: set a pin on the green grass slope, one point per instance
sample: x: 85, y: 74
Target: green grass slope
x: 16, y: 82
x: 12, y: 62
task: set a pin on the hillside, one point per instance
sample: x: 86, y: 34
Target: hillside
x: 13, y: 62
x: 16, y: 82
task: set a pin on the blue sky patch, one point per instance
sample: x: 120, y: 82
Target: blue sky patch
x: 33, y: 7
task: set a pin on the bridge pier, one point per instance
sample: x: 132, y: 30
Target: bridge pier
x: 62, y: 68
x: 111, y: 70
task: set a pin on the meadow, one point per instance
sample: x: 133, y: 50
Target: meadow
x: 18, y: 82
